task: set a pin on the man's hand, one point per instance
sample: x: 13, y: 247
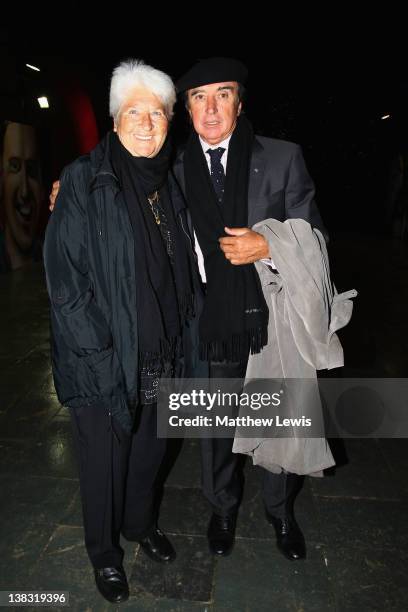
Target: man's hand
x: 53, y: 194
x: 243, y: 246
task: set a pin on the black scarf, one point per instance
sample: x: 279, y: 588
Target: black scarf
x: 163, y: 286
x: 235, y: 316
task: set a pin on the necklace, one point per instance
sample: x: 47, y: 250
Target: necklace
x: 153, y: 201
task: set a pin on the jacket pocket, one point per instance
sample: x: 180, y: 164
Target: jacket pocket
x: 270, y: 206
x: 271, y: 197
x: 100, y: 373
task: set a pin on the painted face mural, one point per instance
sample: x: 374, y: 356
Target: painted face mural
x: 21, y: 192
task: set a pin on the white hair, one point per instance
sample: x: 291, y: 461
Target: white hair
x: 135, y: 73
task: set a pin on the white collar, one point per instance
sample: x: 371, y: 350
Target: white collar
x: 224, y: 143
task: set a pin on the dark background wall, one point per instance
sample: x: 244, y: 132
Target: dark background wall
x: 327, y: 93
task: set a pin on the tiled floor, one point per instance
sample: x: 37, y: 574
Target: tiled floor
x: 355, y: 521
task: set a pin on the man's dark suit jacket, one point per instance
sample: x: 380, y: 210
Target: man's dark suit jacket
x: 281, y: 188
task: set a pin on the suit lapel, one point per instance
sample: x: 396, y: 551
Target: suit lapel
x: 256, y: 174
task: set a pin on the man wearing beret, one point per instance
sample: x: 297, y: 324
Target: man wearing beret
x: 232, y: 179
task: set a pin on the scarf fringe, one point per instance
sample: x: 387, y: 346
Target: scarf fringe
x: 169, y: 348
x: 165, y: 354
x: 236, y: 348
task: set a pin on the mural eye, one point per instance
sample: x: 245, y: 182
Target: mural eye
x: 14, y: 164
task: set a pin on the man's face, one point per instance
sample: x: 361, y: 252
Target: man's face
x: 21, y: 184
x: 214, y: 110
x: 142, y: 124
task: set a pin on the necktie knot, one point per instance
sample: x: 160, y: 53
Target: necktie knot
x: 215, y: 154
x: 217, y: 171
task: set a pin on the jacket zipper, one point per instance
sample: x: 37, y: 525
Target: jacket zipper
x: 99, y: 205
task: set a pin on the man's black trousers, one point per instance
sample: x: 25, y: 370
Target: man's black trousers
x: 222, y: 476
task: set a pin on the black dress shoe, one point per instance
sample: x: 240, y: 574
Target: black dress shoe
x: 112, y: 583
x: 158, y: 547
x: 289, y: 538
x: 221, y: 534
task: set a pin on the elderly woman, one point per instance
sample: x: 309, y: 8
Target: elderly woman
x: 118, y: 267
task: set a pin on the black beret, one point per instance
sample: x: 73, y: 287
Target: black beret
x: 213, y: 70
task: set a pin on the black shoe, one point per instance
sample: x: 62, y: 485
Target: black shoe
x: 221, y: 534
x: 289, y: 538
x: 158, y: 547
x: 112, y: 583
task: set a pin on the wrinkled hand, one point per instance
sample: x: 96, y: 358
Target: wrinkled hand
x: 53, y: 194
x: 243, y: 246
